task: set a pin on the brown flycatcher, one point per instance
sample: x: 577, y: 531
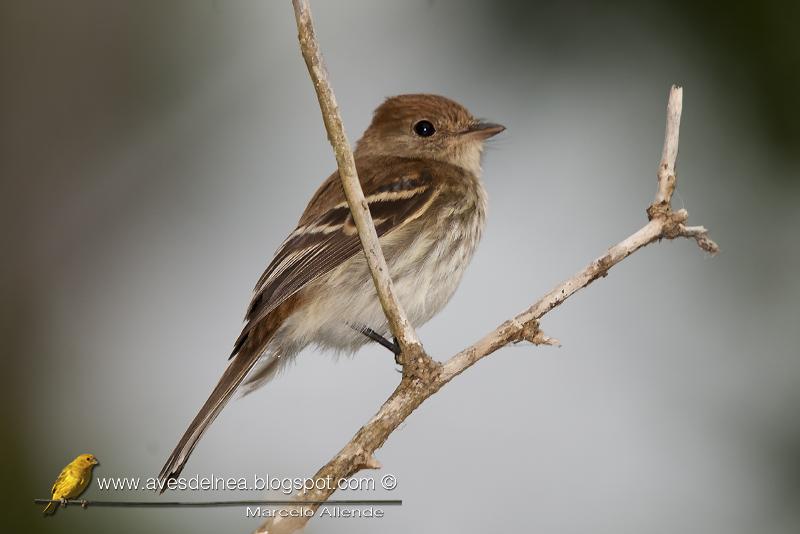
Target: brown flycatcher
x: 419, y: 164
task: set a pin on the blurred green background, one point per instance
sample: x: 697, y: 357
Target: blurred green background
x: 154, y: 154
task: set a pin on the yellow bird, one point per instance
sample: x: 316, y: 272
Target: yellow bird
x: 72, y: 481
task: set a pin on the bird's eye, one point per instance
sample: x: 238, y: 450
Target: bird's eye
x: 424, y: 129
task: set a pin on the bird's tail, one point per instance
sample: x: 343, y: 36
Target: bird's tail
x: 234, y: 374
x: 248, y: 351
x: 50, y: 509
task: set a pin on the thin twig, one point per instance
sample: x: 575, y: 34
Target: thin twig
x: 358, y: 453
x: 401, y: 328
x: 669, y: 154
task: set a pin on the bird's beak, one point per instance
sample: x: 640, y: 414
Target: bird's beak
x: 95, y: 462
x: 484, y: 130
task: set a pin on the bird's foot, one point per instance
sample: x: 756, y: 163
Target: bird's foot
x: 376, y: 337
x: 84, y: 504
x: 397, y: 351
x: 64, y: 503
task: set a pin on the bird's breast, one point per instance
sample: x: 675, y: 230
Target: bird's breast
x: 426, y: 259
x: 427, y: 277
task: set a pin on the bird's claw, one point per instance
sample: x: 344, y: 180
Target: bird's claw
x: 84, y: 504
x: 63, y: 503
x: 396, y: 349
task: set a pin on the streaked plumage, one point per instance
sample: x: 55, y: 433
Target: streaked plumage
x: 428, y: 206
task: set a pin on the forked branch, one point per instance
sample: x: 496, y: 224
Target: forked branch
x: 430, y: 376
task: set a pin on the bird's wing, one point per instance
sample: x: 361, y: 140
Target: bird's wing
x: 61, y: 482
x: 397, y: 191
x: 326, y: 239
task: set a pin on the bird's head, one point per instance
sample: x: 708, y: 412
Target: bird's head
x: 429, y: 127
x: 87, y: 460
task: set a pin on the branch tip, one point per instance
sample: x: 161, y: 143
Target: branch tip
x: 532, y: 333
x: 370, y: 463
x: 700, y: 235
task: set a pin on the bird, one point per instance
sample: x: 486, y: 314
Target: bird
x: 72, y: 481
x: 419, y: 165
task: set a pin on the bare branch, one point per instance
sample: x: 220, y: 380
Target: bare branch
x: 700, y: 234
x: 398, y: 321
x: 413, y: 389
x: 661, y: 208
x: 514, y: 330
x: 669, y: 154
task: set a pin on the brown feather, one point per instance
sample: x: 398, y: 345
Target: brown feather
x: 234, y: 374
x: 308, y: 255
